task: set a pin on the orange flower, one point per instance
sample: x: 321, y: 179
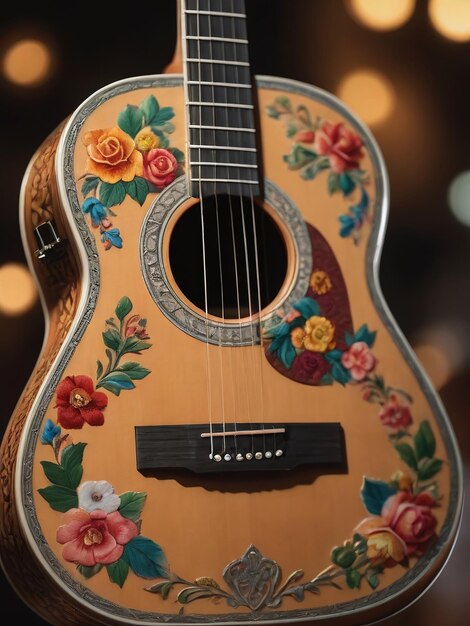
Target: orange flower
x: 297, y: 337
x: 112, y: 155
x: 320, y: 282
x: 319, y: 333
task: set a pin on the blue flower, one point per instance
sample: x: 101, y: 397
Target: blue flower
x: 49, y: 433
x: 96, y: 210
x: 111, y: 238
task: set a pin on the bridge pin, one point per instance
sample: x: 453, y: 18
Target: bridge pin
x: 239, y: 457
x: 248, y: 456
x: 258, y: 455
x: 279, y: 452
x: 228, y: 457
x: 268, y: 454
x: 217, y: 458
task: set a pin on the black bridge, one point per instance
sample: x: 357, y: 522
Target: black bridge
x: 239, y: 447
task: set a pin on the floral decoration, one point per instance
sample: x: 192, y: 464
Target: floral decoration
x: 100, y: 529
x: 77, y: 400
x: 131, y: 159
x: 319, y: 145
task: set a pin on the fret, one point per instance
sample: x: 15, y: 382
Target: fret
x: 231, y: 105
x: 238, y: 129
x: 224, y: 180
x: 224, y: 39
x: 218, y: 62
x: 215, y: 13
x: 218, y: 84
x: 221, y: 164
x: 208, y: 147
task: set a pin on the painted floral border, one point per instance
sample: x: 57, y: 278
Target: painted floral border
x: 319, y: 146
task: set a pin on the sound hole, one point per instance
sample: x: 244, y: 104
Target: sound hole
x: 245, y: 256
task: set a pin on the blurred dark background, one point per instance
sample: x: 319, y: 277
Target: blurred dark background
x: 418, y: 110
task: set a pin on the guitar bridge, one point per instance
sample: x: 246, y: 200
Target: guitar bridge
x: 202, y: 448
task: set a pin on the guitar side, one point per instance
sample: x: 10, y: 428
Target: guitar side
x: 111, y: 270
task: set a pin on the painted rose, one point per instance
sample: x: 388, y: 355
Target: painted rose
x: 98, y: 494
x: 137, y: 327
x: 160, y: 167
x: 309, y: 367
x: 112, y: 155
x: 359, y: 360
x: 146, y: 140
x: 319, y: 333
x: 305, y: 136
x: 78, y: 402
x: 394, y: 414
x: 342, y: 146
x: 94, y: 537
x: 405, y: 518
x: 320, y: 282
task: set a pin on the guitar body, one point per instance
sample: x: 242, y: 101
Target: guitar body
x: 91, y: 532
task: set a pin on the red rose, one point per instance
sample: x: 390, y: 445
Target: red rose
x: 160, y: 167
x: 410, y: 517
x: 95, y: 537
x: 78, y: 402
x: 309, y: 367
x: 305, y: 136
x: 394, y: 414
x: 342, y: 146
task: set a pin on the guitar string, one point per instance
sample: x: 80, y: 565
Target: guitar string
x: 219, y: 247
x: 203, y: 243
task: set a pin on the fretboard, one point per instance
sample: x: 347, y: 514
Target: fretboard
x: 219, y: 103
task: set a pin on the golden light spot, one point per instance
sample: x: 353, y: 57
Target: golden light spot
x: 18, y: 291
x: 436, y: 364
x: 27, y: 62
x: 382, y: 14
x: 451, y: 18
x: 441, y: 351
x: 369, y: 94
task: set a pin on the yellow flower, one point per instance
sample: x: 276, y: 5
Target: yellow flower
x: 383, y: 545
x: 297, y: 337
x: 146, y: 140
x: 320, y: 282
x: 319, y: 334
x: 404, y: 481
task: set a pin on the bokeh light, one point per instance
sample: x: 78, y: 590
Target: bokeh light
x: 451, y: 18
x: 382, y: 14
x: 369, y: 94
x: 441, y: 351
x: 459, y: 197
x: 18, y: 291
x: 27, y: 62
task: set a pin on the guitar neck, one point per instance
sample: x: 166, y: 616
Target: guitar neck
x: 219, y: 99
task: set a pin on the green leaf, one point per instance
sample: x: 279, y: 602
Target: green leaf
x: 425, y: 443
x: 134, y: 370
x: 353, y: 579
x: 164, y: 115
x: 189, y: 594
x: 145, y: 557
x: 88, y: 572
x: 344, y: 556
x: 71, y: 461
x: 132, y: 503
x: 333, y: 183
x: 427, y: 468
x: 112, y: 193
x: 373, y: 580
x: 99, y: 369
x: 286, y: 352
x: 346, y: 184
x: 115, y: 382
x: 130, y: 120
x: 89, y: 184
x: 57, y: 475
x: 164, y: 141
x: 118, y: 572
x: 307, y: 307
x: 299, y: 157
x: 150, y: 109
x: 178, y: 154
x: 272, y: 112
x: 407, y: 454
x: 284, y: 103
x: 123, y: 308
x: 374, y: 493
x: 138, y: 189
x: 112, y: 339
x: 60, y: 498
x: 134, y: 345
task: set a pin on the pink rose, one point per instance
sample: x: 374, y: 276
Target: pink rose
x: 342, y: 146
x: 359, y: 360
x: 94, y: 537
x: 160, y: 167
x: 394, y: 414
x: 410, y: 518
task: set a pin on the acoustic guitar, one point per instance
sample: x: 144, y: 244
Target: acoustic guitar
x: 225, y: 425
